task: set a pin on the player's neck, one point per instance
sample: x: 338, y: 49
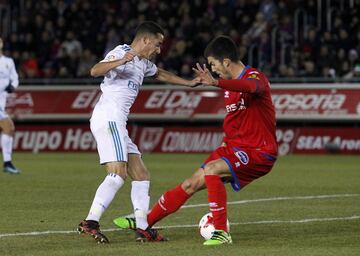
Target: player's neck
x: 137, y: 48
x: 236, y: 69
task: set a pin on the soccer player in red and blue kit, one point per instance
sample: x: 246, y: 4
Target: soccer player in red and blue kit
x: 249, y: 149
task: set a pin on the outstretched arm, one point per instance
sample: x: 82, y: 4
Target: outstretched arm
x: 249, y: 85
x: 102, y: 68
x: 166, y: 76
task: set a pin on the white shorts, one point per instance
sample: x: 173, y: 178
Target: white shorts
x: 113, y: 141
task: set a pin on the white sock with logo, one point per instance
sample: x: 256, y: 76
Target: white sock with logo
x: 104, y: 195
x: 7, y: 146
x: 140, y: 199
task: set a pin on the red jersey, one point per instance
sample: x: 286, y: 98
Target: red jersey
x: 250, y: 120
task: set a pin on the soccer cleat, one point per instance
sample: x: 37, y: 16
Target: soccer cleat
x: 92, y: 228
x: 148, y: 235
x: 125, y: 223
x: 219, y: 237
x: 10, y: 168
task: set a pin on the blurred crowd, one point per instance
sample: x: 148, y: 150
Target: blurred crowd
x: 284, y: 38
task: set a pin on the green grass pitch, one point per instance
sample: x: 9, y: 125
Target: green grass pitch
x: 311, y: 207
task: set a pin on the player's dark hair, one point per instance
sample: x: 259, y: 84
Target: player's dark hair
x: 149, y: 27
x: 222, y: 47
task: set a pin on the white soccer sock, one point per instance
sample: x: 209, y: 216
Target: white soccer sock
x: 140, y: 199
x: 7, y: 146
x: 104, y: 195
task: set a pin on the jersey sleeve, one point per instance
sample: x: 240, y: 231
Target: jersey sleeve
x: 253, y: 82
x: 113, y: 55
x: 14, y: 78
x: 151, y: 69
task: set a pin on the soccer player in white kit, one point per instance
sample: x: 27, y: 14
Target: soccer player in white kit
x: 9, y: 80
x: 124, y: 69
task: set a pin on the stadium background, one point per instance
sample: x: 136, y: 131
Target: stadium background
x: 292, y: 39
x: 309, y: 49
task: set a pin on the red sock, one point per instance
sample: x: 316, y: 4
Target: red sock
x: 217, y: 200
x: 168, y: 203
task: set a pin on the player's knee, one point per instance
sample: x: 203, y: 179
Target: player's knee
x: 211, y: 168
x: 119, y: 170
x: 122, y: 174
x: 190, y: 186
x: 141, y: 175
x: 10, y: 130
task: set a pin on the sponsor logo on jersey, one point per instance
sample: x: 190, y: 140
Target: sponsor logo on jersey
x: 240, y: 105
x: 133, y: 86
x: 242, y: 156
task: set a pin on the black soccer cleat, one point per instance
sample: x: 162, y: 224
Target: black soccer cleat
x: 149, y: 235
x: 92, y: 228
x: 10, y: 168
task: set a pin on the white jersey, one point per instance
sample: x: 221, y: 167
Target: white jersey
x: 121, y: 85
x: 8, y: 75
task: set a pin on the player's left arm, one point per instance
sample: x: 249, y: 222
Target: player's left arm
x: 168, y: 77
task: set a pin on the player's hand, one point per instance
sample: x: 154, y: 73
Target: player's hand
x: 129, y: 56
x: 204, y: 74
x: 195, y: 82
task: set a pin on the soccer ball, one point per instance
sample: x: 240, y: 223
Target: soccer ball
x: 206, y: 226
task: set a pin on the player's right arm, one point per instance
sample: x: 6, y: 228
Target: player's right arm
x: 166, y: 76
x: 101, y: 68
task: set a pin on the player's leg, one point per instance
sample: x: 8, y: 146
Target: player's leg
x: 139, y: 190
x: 169, y: 202
x: 8, y: 129
x: 113, y: 154
x: 241, y: 167
x: 140, y: 197
x: 140, y: 186
x: 174, y: 198
x: 104, y: 195
x: 215, y: 171
x: 116, y: 175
